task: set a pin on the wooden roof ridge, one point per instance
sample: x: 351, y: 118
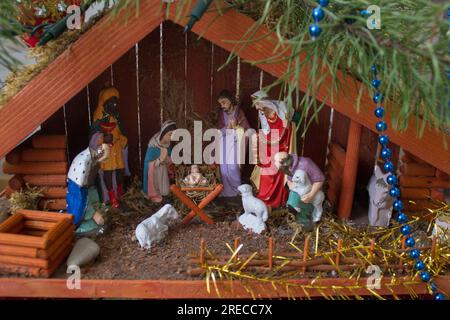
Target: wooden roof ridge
x: 109, y: 39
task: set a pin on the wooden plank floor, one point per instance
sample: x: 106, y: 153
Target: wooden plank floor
x: 166, y: 289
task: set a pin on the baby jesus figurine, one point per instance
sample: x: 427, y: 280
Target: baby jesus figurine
x: 195, y: 178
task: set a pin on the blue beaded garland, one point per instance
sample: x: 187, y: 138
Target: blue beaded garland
x: 410, y: 242
x: 398, y: 205
x: 419, y: 265
x: 394, y: 192
x: 383, y: 140
x: 324, y: 3
x: 376, y: 83
x: 415, y: 253
x: 318, y: 14
x: 401, y: 217
x: 315, y: 30
x: 389, y: 167
x: 406, y: 230
x: 391, y: 179
x: 378, y: 98
x: 439, y: 296
x: 433, y: 286
x: 425, y: 276
x: 379, y: 112
x: 381, y: 126
x: 386, y: 153
x: 364, y: 12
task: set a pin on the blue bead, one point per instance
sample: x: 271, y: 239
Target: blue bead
x: 383, y: 139
x: 378, y: 98
x: 379, y: 112
x: 415, y: 253
x: 373, y: 68
x: 439, y: 296
x: 389, y: 167
x: 381, y: 126
x: 398, y: 205
x: 376, y: 83
x: 318, y: 14
x: 315, y: 30
x: 410, y: 242
x: 425, y: 276
x: 394, y: 192
x: 433, y: 286
x: 386, y: 153
x: 324, y: 3
x: 419, y: 265
x: 405, y: 230
x: 391, y: 179
x: 401, y: 217
x: 364, y: 12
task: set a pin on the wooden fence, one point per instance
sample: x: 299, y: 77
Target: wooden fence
x: 300, y: 260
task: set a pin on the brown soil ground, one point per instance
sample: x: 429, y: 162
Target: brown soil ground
x: 122, y: 258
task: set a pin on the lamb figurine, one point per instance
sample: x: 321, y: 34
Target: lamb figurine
x: 155, y: 228
x: 302, y: 186
x: 255, y: 211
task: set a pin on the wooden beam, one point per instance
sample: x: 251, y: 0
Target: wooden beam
x: 350, y: 171
x: 76, y: 67
x: 195, y: 289
x: 227, y: 31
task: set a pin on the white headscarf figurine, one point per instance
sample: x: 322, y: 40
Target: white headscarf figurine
x: 156, y: 177
x: 279, y: 107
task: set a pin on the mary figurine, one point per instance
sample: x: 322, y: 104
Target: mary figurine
x: 157, y: 159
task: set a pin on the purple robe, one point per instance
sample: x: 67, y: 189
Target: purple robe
x: 307, y: 165
x: 230, y: 170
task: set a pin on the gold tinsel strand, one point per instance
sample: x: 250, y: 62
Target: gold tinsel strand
x: 386, y: 254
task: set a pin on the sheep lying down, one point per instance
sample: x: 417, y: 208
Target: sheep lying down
x: 156, y: 227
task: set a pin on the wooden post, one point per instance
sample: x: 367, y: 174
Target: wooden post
x: 433, y: 247
x: 202, y: 251
x: 350, y: 171
x: 338, y: 255
x: 270, y: 253
x: 236, y: 245
x: 305, y: 252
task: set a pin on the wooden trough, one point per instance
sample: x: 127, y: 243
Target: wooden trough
x: 35, y: 243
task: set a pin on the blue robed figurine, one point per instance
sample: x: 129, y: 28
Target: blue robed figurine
x: 157, y: 160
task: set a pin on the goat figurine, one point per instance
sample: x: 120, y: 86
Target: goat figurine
x: 380, y: 203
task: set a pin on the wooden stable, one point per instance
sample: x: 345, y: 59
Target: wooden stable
x: 63, y: 97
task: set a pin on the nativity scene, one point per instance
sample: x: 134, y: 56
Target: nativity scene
x: 291, y: 187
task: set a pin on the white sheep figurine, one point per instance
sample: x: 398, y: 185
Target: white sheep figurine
x: 155, y: 228
x: 255, y: 211
x: 302, y: 186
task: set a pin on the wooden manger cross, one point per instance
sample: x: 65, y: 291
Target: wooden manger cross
x: 180, y: 193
